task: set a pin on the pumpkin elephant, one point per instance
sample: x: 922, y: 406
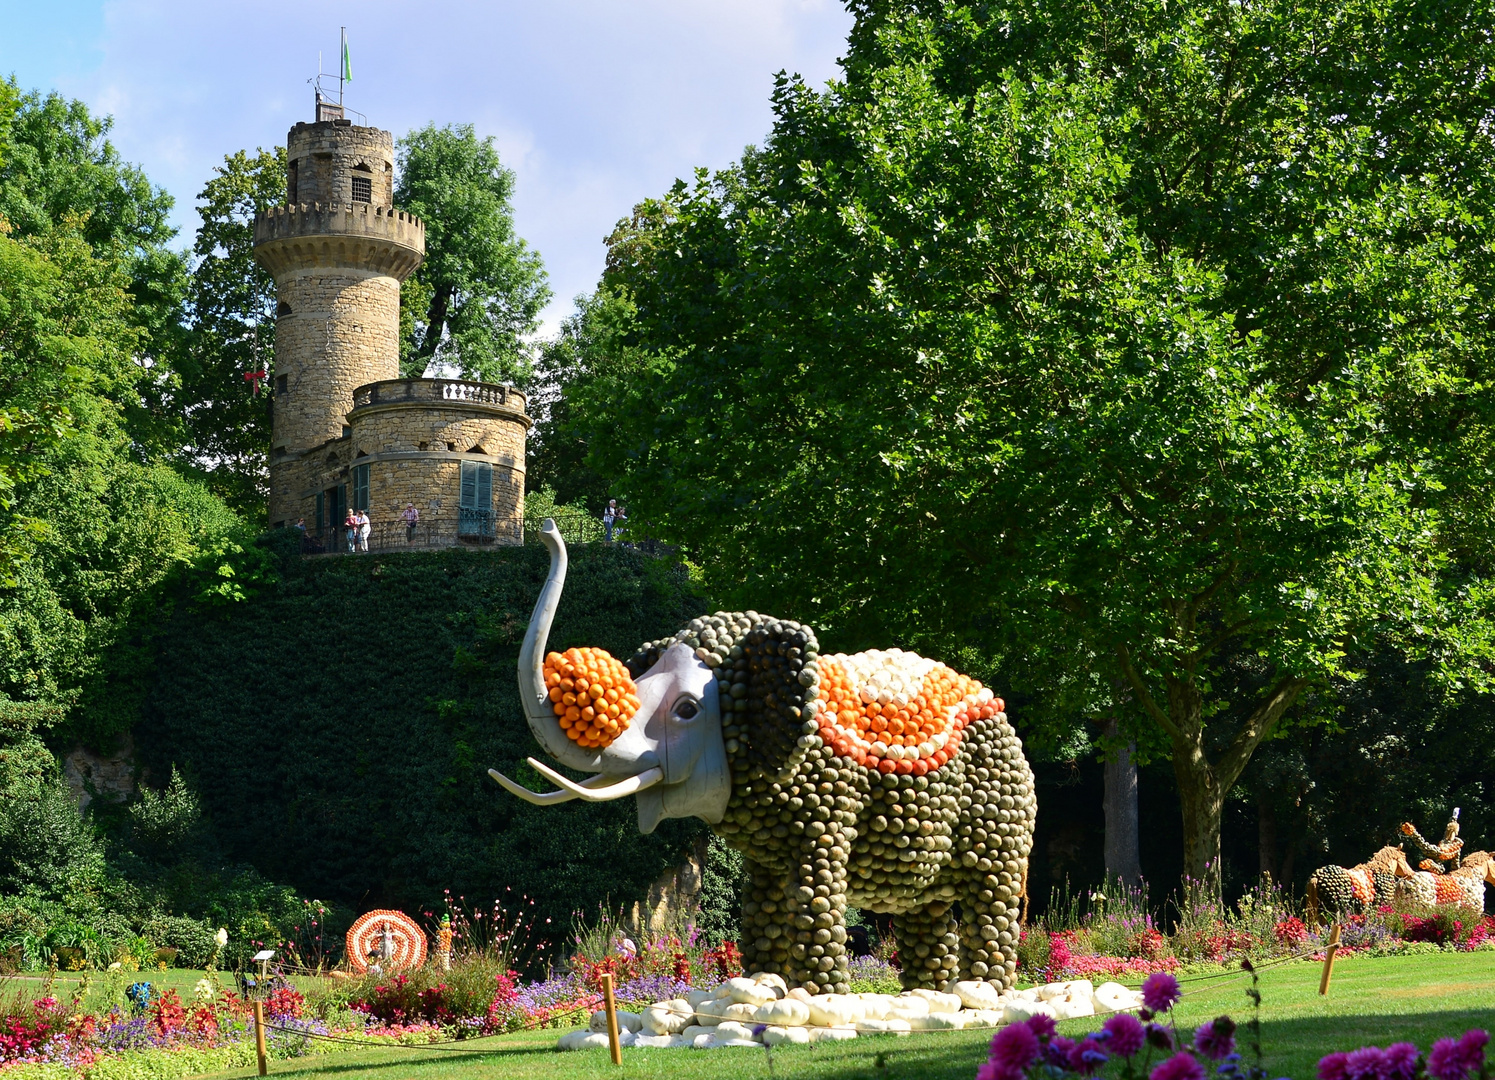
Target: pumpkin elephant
x: 881, y: 780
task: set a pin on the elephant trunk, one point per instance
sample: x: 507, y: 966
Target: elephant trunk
x: 532, y: 689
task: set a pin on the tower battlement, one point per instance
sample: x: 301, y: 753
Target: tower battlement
x: 381, y: 239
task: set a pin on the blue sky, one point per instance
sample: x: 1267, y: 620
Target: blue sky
x: 594, y: 104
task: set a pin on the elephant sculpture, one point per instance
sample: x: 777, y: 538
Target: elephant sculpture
x: 882, y: 781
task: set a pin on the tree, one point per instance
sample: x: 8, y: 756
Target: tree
x: 58, y: 170
x: 231, y: 333
x: 1140, y: 345
x: 480, y: 289
x: 593, y: 345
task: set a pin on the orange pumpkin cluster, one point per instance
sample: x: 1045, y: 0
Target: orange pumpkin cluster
x: 925, y: 729
x: 592, y: 694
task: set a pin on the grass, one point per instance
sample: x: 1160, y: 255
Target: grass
x: 1372, y: 1000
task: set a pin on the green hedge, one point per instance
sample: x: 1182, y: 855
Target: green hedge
x: 338, y: 726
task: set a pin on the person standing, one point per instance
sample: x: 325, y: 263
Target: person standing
x: 350, y: 525
x: 609, y: 516
x: 364, y: 527
x: 411, y: 518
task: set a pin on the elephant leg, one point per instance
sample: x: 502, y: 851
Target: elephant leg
x: 989, y: 930
x: 928, y: 947
x: 765, y: 921
x: 817, y: 895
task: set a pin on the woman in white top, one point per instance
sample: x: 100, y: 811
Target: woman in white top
x: 363, y: 530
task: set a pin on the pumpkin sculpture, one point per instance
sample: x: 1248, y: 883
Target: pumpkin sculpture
x: 881, y: 780
x: 1343, y: 889
x: 1462, y: 887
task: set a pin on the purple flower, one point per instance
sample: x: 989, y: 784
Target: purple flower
x: 1042, y: 1026
x: 1160, y: 992
x: 1333, y: 1066
x: 1057, y: 1051
x: 1159, y: 1036
x: 1454, y: 1059
x: 1215, y: 1040
x: 1127, y: 1035
x: 1444, y: 1062
x: 1367, y: 1063
x: 1012, y: 1051
x: 1401, y: 1061
x: 1180, y: 1066
x: 1086, y: 1056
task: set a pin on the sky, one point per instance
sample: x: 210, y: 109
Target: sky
x: 595, y: 105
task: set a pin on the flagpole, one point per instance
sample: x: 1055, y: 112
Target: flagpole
x: 342, y: 67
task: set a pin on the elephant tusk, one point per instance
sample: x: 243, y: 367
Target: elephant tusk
x: 628, y: 786
x: 549, y: 798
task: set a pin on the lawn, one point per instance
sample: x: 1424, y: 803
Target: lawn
x: 1373, y: 1000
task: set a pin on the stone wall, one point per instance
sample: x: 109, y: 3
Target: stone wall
x: 110, y: 777
x: 336, y: 332
x: 325, y: 156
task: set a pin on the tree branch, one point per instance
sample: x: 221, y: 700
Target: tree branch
x: 1140, y: 689
x: 1256, y: 728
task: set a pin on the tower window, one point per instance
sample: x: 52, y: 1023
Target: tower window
x: 282, y: 309
x: 475, y: 506
x: 291, y: 179
x: 282, y: 384
x: 360, y: 487
x: 363, y: 189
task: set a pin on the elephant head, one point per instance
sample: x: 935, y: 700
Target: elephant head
x: 670, y: 755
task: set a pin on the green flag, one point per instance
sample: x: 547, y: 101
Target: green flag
x: 347, y: 60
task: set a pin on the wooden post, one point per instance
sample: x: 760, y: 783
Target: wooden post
x: 1329, y: 960
x: 612, y: 1019
x: 259, y: 1034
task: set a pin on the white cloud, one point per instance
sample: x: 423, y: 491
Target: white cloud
x: 595, y: 104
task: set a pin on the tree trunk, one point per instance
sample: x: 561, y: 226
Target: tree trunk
x: 1123, y: 860
x: 1203, y: 805
x: 1266, y: 836
x: 1202, y: 784
x: 436, y: 315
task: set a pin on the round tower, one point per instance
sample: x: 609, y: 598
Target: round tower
x: 338, y: 251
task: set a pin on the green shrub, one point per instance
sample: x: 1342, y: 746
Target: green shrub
x: 337, y: 729
x: 720, y: 910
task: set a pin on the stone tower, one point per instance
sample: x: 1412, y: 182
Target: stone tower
x: 347, y: 430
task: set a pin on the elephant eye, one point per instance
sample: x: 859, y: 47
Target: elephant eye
x: 686, y: 709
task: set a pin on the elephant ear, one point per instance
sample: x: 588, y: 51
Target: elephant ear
x: 772, y: 718
x: 768, y: 681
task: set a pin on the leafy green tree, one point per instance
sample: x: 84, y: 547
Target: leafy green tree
x: 231, y: 333
x: 1122, y: 342
x: 594, y: 344
x: 479, y: 292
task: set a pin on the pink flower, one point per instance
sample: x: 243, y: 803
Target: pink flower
x: 1043, y: 1027
x: 1401, y: 1061
x: 1160, y: 992
x: 1215, y: 1040
x: 1127, y: 1035
x: 1180, y: 1066
x: 1012, y: 1051
x: 1333, y: 1066
x: 1455, y: 1059
x: 1367, y: 1063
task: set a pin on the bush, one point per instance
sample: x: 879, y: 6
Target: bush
x: 191, y: 938
x: 338, y: 728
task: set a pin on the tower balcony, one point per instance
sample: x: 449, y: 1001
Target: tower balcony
x: 381, y: 239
